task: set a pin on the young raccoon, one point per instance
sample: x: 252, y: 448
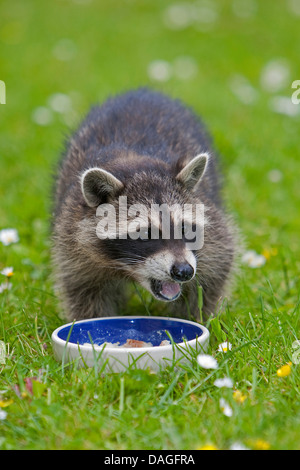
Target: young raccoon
x: 142, y: 148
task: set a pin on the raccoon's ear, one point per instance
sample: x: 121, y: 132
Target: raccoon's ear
x: 97, y: 185
x: 193, y: 171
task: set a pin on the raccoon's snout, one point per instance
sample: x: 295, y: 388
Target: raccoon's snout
x: 164, y: 273
x: 182, y: 272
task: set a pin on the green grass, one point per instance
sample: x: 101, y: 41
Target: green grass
x: 112, y: 45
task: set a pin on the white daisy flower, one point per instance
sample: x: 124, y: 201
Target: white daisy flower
x: 225, y: 408
x: 226, y: 382
x: 205, y: 15
x: 3, y: 415
x: 8, y: 272
x: 160, y: 70
x: 257, y: 261
x: 284, y: 105
x: 5, y: 286
x: 42, y: 116
x: 253, y: 259
x: 248, y: 256
x: 275, y: 75
x: 207, y: 362
x: 225, y: 347
x: 275, y: 176
x: 60, y: 103
x: 8, y: 236
x: 238, y: 446
x: 178, y: 16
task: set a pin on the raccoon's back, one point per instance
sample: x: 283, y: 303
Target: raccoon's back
x: 147, y: 122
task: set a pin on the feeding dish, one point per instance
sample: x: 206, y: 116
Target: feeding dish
x: 103, y: 340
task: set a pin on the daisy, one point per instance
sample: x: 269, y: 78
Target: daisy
x: 225, y: 408
x: 42, y: 116
x: 8, y: 272
x: 207, y: 362
x: 178, y: 16
x: 238, y: 446
x: 275, y: 176
x: 283, y: 105
x: 275, y: 75
x: 8, y: 236
x: 225, y: 382
x: 225, y: 347
x: 5, y: 286
x: 60, y: 103
x: 257, y: 262
x: 160, y: 70
x: 253, y: 259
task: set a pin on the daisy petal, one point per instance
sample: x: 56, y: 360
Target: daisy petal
x: 8, y: 236
x: 207, y: 362
x: 226, y: 382
x: 225, y: 408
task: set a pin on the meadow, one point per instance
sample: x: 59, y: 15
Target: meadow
x: 234, y: 62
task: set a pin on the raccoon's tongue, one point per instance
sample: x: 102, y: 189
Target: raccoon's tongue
x: 170, y: 289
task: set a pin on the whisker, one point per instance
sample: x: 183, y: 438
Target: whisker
x: 128, y: 260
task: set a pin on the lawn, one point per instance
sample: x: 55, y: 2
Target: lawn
x: 234, y: 62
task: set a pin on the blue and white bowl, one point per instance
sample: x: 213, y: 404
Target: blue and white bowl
x: 84, y: 341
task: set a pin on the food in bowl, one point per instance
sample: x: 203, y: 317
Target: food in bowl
x: 132, y: 343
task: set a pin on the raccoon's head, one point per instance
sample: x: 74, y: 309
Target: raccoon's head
x: 133, y: 207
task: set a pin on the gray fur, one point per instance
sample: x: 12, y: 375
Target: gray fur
x: 142, y: 145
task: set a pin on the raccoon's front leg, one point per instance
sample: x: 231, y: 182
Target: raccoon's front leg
x: 90, y: 301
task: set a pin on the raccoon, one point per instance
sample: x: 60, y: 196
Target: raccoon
x: 149, y: 149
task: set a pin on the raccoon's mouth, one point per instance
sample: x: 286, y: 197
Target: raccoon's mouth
x: 165, y: 290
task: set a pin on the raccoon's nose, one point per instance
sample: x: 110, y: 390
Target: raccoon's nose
x: 182, y: 272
